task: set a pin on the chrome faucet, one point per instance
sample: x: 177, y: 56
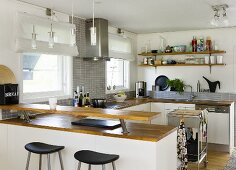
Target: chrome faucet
x: 191, y: 96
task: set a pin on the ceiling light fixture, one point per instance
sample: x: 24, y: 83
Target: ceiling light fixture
x: 225, y: 17
x: 121, y: 32
x: 220, y: 16
x: 93, y: 34
x: 34, y: 38
x: 51, y: 34
x: 73, y: 30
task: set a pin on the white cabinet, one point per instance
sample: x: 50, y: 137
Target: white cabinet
x: 142, y: 107
x: 218, y: 128
x: 158, y: 107
x: 163, y: 108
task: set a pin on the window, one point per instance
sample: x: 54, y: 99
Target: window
x: 117, y: 74
x: 45, y: 75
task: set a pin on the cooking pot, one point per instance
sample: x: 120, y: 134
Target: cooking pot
x: 99, y: 103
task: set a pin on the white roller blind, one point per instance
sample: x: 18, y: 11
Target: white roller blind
x: 120, y: 48
x: 42, y: 25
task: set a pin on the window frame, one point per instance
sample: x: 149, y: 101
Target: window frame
x: 66, y: 79
x: 126, y: 78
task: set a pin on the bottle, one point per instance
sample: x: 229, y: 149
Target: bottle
x: 75, y: 99
x: 87, y: 100
x: 200, y: 44
x: 194, y: 44
x: 81, y: 98
x: 208, y: 44
x: 198, y: 86
x: 84, y: 99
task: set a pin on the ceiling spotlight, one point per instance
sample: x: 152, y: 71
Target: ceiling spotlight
x: 216, y: 19
x: 220, y: 16
x: 121, y: 33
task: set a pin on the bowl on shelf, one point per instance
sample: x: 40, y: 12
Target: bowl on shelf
x: 120, y: 98
x: 180, y: 48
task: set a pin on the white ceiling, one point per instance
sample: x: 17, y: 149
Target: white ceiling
x: 146, y: 16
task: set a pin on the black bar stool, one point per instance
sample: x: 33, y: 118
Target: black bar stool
x: 42, y: 149
x: 95, y: 158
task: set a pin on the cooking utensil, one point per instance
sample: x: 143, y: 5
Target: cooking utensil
x: 161, y: 81
x: 99, y: 103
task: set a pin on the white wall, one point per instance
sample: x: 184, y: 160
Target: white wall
x: 223, y: 37
x: 8, y: 11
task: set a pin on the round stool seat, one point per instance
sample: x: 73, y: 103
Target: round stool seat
x: 42, y: 148
x: 95, y: 158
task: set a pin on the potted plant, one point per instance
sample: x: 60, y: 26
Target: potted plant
x: 176, y: 85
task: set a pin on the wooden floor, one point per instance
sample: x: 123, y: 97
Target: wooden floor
x: 216, y: 161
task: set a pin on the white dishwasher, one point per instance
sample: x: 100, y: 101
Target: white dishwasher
x: 218, y: 123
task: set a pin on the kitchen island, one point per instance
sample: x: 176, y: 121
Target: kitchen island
x: 146, y: 146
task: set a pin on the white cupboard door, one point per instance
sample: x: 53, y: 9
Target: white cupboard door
x: 158, y: 107
x: 218, y: 128
x: 142, y: 107
x: 132, y: 108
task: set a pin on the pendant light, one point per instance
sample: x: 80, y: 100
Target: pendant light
x: 73, y: 30
x: 93, y: 34
x: 33, y: 41
x: 51, y: 33
x: 51, y: 38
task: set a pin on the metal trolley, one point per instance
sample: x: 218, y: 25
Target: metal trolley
x: 193, y: 119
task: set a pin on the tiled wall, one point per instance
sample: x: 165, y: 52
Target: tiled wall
x: 90, y: 74
x: 199, y: 96
x: 130, y: 95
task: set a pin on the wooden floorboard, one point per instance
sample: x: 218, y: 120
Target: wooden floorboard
x: 216, y: 161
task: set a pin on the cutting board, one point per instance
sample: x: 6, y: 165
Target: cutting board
x: 6, y: 75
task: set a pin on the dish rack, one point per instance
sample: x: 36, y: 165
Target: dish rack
x: 193, y: 119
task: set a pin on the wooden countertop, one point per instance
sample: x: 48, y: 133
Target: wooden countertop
x: 138, y: 131
x: 134, y: 102
x: 86, y: 112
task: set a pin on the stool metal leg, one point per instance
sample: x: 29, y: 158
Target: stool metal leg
x: 61, y: 162
x: 49, y: 163
x: 103, y: 167
x: 40, y: 162
x: 79, y: 165
x: 28, y: 161
x: 113, y: 165
x: 89, y: 168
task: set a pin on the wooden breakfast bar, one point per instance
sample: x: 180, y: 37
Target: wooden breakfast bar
x: 85, y: 112
x: 146, y: 146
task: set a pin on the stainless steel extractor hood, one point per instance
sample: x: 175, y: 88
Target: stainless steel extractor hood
x: 100, y: 50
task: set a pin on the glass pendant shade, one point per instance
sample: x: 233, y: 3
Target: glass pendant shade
x: 34, y: 38
x: 33, y: 42
x: 93, y: 36
x: 51, y: 38
x: 73, y: 37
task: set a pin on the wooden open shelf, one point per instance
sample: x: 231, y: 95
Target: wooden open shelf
x: 174, y: 65
x: 183, y: 53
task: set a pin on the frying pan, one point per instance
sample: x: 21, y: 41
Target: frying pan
x: 161, y: 81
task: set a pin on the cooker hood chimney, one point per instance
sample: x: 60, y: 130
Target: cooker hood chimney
x: 100, y: 50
